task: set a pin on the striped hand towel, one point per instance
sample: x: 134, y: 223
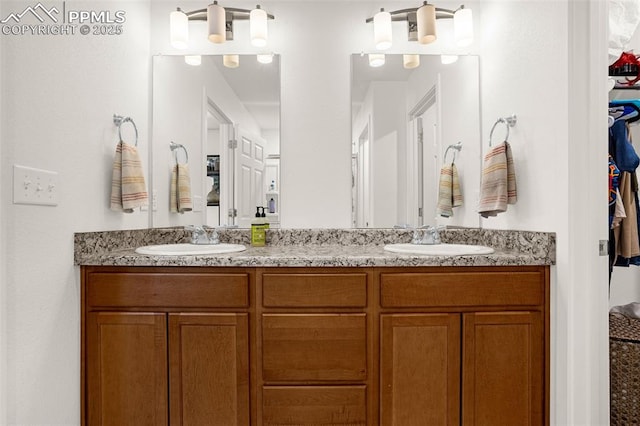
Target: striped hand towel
x: 498, y: 186
x: 449, y: 195
x: 180, y: 192
x: 128, y: 188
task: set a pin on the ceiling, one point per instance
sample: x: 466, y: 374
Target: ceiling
x: 256, y: 85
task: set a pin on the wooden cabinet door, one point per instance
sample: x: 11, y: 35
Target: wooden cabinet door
x: 126, y: 365
x: 503, y: 373
x: 420, y: 369
x: 209, y: 369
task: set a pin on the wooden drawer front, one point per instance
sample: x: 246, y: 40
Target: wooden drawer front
x: 314, y: 405
x: 461, y: 289
x: 314, y: 347
x: 168, y: 290
x: 314, y: 290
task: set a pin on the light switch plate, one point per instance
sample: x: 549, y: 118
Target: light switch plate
x: 34, y: 186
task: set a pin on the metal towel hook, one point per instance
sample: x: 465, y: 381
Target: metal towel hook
x: 509, y: 121
x: 119, y: 120
x: 175, y: 146
x: 457, y: 147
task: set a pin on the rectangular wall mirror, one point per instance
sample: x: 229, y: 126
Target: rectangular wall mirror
x: 228, y: 121
x: 403, y: 122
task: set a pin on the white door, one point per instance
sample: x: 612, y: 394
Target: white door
x: 250, y: 186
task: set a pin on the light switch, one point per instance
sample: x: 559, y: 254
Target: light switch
x: 34, y: 186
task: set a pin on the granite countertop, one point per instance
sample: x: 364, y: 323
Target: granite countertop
x: 316, y: 248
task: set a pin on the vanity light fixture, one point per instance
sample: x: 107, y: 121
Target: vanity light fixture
x: 411, y: 61
x: 231, y: 61
x: 219, y: 24
x: 194, y: 60
x: 421, y: 23
x: 265, y: 58
x: 448, y: 59
x: 376, y: 59
x: 382, y: 31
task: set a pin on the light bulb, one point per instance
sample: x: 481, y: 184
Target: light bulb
x: 382, y: 31
x: 179, y: 29
x: 258, y: 27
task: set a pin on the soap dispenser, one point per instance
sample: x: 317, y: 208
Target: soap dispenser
x: 258, y: 231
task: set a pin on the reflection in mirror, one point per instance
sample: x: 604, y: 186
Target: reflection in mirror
x: 228, y: 120
x: 403, y: 121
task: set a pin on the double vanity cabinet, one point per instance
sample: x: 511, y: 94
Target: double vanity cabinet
x: 315, y: 346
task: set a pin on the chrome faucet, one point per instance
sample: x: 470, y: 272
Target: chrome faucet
x: 430, y: 235
x: 199, y: 235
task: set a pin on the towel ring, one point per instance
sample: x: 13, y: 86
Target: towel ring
x: 175, y: 146
x: 119, y: 120
x: 457, y: 147
x: 507, y: 121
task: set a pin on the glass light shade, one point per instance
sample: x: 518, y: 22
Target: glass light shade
x: 382, y: 32
x: 258, y: 27
x: 216, y: 23
x: 411, y: 61
x: 194, y: 60
x: 426, y: 16
x: 179, y: 29
x: 446, y: 41
x: 265, y: 58
x: 448, y: 59
x: 463, y: 27
x: 231, y: 61
x: 376, y: 59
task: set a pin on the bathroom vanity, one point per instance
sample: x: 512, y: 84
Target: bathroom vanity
x: 316, y: 334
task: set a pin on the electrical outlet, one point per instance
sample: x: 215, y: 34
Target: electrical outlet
x: 34, y: 186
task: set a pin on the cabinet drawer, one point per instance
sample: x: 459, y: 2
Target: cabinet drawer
x: 314, y: 290
x: 314, y: 405
x: 185, y: 290
x: 308, y: 348
x: 461, y: 289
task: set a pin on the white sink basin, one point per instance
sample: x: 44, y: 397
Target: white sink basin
x: 438, y: 249
x: 186, y: 249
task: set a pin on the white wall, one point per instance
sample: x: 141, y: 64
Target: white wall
x: 388, y: 136
x: 59, y: 96
x: 62, y: 92
x: 535, y: 57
